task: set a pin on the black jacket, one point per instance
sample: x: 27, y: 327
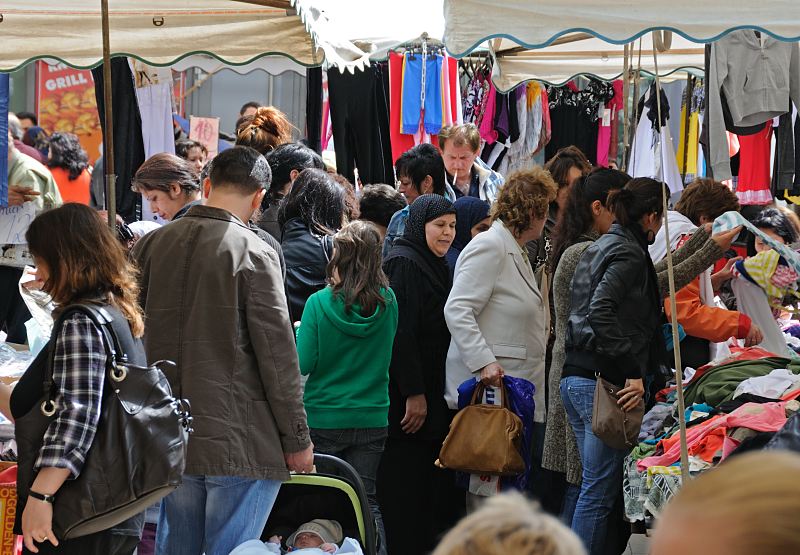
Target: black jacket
x: 306, y: 257
x: 421, y: 285
x: 615, y: 312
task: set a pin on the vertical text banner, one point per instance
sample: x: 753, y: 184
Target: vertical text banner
x: 66, y: 103
x: 4, y: 95
x: 206, y: 132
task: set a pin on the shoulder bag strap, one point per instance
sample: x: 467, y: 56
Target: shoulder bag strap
x: 102, y: 319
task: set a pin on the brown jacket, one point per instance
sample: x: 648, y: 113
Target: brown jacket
x: 215, y: 305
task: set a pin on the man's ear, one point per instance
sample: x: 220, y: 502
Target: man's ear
x: 206, y: 187
x: 258, y: 198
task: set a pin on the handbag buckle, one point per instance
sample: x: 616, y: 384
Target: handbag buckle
x: 119, y: 373
x: 184, y: 411
x: 51, y: 411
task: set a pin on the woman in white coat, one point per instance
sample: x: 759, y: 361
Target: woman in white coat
x: 496, y: 315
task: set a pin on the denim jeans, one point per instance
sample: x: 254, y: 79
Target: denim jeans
x: 362, y: 448
x: 602, y: 465
x: 214, y: 514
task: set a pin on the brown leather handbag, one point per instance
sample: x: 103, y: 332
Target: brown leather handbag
x: 615, y: 427
x: 484, y: 439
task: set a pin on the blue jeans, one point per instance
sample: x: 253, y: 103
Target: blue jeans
x: 214, y: 514
x: 602, y: 465
x: 362, y: 448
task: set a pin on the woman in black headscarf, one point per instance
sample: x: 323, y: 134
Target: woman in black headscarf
x: 420, y: 500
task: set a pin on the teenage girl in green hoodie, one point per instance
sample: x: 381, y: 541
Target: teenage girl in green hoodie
x: 344, y: 343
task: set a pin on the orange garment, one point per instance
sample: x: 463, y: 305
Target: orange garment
x: 73, y: 190
x: 706, y: 322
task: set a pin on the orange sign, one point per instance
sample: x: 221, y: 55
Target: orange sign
x: 66, y: 104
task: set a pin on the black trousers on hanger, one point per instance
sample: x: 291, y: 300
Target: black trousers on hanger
x: 360, y: 123
x: 128, y: 142
x: 314, y: 108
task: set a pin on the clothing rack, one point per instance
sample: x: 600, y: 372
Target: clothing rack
x: 422, y: 45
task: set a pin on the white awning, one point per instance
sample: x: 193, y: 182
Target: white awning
x: 537, y: 23
x: 159, y: 32
x: 558, y: 64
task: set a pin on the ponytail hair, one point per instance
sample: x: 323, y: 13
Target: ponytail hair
x: 641, y: 196
x: 265, y: 130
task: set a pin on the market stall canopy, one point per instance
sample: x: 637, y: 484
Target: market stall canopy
x: 586, y: 55
x: 158, y: 32
x: 274, y: 65
x: 537, y: 23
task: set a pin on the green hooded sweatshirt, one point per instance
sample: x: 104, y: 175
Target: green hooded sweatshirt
x: 346, y: 357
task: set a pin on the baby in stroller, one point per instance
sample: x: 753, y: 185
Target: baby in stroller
x: 319, y: 533
x: 320, y: 536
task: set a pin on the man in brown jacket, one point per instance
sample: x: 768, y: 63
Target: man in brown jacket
x: 215, y: 305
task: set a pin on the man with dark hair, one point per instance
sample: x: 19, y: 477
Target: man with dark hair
x: 215, y: 304
x: 27, y: 120
x: 379, y: 203
x: 249, y: 108
x: 420, y: 171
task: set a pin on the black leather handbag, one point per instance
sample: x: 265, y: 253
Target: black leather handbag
x: 139, y: 450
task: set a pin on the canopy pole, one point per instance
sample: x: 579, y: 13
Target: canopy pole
x: 635, y: 111
x: 626, y: 91
x: 673, y: 308
x: 108, y: 135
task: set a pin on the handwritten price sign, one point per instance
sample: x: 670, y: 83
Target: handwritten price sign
x: 206, y: 132
x: 14, y: 222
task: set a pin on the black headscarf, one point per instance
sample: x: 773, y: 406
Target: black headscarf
x: 414, y: 246
x: 470, y: 211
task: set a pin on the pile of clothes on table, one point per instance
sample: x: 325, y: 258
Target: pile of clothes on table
x: 732, y: 406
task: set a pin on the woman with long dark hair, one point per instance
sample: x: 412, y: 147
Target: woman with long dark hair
x: 344, y: 344
x: 312, y: 212
x: 78, y: 260
x: 612, y: 331
x: 286, y: 162
x: 584, y: 219
x: 69, y: 164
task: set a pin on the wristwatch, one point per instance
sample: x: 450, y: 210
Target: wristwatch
x: 42, y: 496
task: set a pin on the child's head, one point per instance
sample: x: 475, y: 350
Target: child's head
x: 315, y: 533
x: 355, y: 267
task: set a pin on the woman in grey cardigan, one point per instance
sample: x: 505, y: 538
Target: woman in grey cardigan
x: 585, y: 219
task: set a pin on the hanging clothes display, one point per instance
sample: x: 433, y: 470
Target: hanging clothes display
x: 400, y: 141
x: 417, y: 116
x: 754, y: 184
x: 128, y: 142
x: 688, y: 154
x: 153, y: 87
x: 422, y: 95
x: 574, y: 114
x: 756, y: 76
x: 652, y: 136
x: 360, y: 122
x: 609, y: 122
x: 314, y: 108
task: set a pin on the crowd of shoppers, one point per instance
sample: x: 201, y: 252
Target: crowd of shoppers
x: 386, y: 300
